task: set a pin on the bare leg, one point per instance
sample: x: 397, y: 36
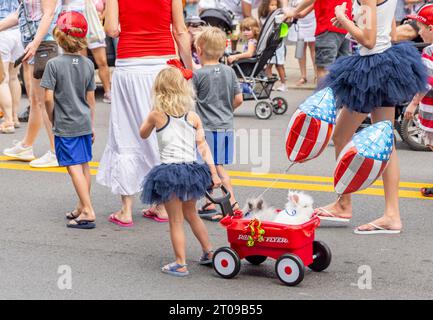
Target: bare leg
x: 38, y: 115
x: 282, y: 74
x: 347, y: 123
x: 5, y: 97
x: 321, y: 73
x: 82, y: 188
x: 100, y: 56
x: 303, y: 68
x: 269, y: 70
x: 177, y: 235
x: 197, y: 225
x: 312, y: 46
x: 391, y: 178
x: 15, y: 89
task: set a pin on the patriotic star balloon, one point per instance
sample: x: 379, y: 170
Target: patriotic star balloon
x: 364, y: 159
x: 310, y: 128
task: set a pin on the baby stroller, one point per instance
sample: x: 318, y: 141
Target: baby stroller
x: 255, y: 85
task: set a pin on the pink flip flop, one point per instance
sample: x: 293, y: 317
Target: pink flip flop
x: 114, y: 220
x: 149, y: 214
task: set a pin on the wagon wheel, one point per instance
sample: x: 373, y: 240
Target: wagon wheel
x: 290, y: 269
x: 280, y: 105
x: 256, y: 260
x: 226, y: 262
x: 263, y: 110
x: 321, y: 255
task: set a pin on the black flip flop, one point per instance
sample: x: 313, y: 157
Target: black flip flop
x: 204, y: 213
x: 71, y: 216
x: 82, y: 224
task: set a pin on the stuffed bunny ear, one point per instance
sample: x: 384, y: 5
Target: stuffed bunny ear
x: 293, y: 197
x: 260, y: 204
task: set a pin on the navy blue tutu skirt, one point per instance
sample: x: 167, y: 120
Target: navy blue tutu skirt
x: 362, y: 83
x: 186, y: 181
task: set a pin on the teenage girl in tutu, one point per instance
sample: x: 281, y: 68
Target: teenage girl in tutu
x: 179, y: 181
x: 373, y: 81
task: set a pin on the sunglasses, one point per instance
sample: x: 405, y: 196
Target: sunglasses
x: 195, y: 25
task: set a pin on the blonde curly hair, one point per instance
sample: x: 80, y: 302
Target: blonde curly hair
x: 172, y: 93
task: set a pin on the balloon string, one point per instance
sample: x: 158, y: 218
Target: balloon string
x: 276, y: 180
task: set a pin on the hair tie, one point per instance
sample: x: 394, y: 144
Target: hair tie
x: 187, y: 74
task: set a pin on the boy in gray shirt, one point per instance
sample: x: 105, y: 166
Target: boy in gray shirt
x: 218, y: 95
x: 70, y: 102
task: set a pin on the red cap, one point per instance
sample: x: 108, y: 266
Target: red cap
x: 72, y: 19
x: 424, y: 15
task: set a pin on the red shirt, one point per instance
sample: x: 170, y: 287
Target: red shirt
x: 325, y: 11
x: 145, y: 29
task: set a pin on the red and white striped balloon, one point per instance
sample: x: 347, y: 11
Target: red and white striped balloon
x: 311, y: 126
x: 364, y: 159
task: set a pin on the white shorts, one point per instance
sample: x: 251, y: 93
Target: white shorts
x: 96, y: 44
x: 11, y: 47
x: 280, y: 56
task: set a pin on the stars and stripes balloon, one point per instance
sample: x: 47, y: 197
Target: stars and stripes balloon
x: 364, y: 158
x: 310, y: 128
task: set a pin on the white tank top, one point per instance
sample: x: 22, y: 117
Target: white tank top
x: 385, y: 15
x: 177, y: 141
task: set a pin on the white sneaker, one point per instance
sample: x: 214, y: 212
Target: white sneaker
x: 19, y: 152
x: 46, y: 161
x: 107, y: 98
x: 282, y: 88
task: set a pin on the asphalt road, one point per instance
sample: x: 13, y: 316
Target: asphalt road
x: 37, y: 251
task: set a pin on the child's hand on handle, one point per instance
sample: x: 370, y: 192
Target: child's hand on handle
x: 216, y: 181
x: 410, y: 111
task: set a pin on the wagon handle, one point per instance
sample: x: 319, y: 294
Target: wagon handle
x: 223, y: 202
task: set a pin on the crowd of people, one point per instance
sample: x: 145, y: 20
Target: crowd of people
x: 165, y: 68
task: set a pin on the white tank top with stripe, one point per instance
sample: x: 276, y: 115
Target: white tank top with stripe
x: 177, y: 141
x: 385, y: 15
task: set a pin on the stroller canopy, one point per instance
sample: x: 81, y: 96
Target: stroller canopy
x: 218, y: 18
x: 267, y: 31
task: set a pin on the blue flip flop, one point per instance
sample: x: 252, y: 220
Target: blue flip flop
x: 172, y: 269
x: 82, y: 224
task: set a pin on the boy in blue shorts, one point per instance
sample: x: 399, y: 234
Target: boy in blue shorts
x: 70, y: 101
x: 218, y: 95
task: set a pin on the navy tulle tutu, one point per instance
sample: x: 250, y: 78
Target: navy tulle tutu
x: 186, y: 181
x: 362, y: 83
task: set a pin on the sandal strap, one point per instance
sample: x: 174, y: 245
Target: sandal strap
x: 173, y: 266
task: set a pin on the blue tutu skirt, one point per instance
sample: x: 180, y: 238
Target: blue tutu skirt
x: 362, y: 83
x: 186, y: 181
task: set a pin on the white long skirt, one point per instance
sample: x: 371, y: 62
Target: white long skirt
x: 127, y: 157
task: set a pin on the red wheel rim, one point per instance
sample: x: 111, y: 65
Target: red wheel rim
x: 288, y: 270
x: 224, y: 263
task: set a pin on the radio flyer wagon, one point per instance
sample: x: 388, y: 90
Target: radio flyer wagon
x: 293, y: 247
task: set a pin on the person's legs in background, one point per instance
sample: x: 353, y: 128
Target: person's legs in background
x: 15, y: 89
x: 312, y: 47
x: 6, y: 101
x: 303, y: 68
x: 100, y: 56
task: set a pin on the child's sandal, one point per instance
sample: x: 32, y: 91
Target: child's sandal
x: 206, y: 258
x: 173, y: 269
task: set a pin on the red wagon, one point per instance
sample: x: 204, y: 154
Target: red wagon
x: 293, y: 247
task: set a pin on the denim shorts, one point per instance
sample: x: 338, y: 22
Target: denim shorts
x: 330, y: 46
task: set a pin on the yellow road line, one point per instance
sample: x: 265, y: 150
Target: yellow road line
x: 252, y: 183
x: 320, y: 188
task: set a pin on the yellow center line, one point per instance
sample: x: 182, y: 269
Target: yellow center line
x: 266, y: 180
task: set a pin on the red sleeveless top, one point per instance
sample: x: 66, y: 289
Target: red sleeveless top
x: 145, y: 29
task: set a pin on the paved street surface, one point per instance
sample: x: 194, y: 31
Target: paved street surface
x: 114, y: 263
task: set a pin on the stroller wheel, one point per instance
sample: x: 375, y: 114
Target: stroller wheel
x: 280, y: 105
x: 263, y: 110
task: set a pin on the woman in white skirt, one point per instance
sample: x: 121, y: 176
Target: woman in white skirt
x: 305, y: 29
x: 145, y: 46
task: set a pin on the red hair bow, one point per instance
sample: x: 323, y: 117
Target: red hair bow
x: 187, y: 74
